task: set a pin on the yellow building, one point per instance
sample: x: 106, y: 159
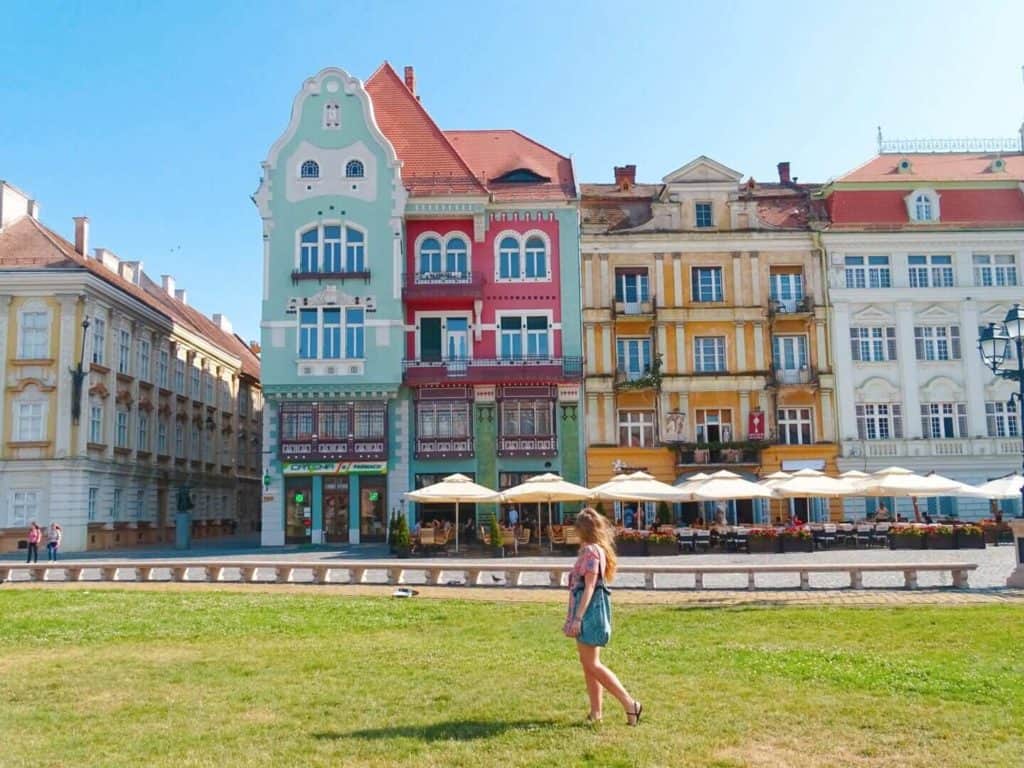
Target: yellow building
x: 705, y: 331
x: 116, y: 396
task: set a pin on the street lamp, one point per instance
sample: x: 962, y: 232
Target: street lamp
x: 78, y: 378
x: 994, y: 346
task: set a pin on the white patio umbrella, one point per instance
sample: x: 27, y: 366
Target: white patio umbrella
x: 454, y: 489
x: 852, y: 480
x: 772, y: 480
x: 638, y: 486
x: 810, y: 482
x: 549, y: 488
x: 902, y: 483
x: 1003, y: 487
x: 692, y: 482
x: 725, y: 485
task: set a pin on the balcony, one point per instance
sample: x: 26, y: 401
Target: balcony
x: 491, y: 371
x: 635, y: 310
x: 444, y: 447
x: 441, y: 287
x: 351, y: 449
x: 793, y: 377
x: 298, y: 275
x: 532, y: 445
x: 781, y: 309
x: 931, y: 448
x: 717, y: 455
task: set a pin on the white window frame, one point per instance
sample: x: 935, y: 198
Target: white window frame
x: 696, y: 214
x: 124, y: 351
x: 873, y: 270
x: 142, y: 431
x: 539, y: 406
x: 935, y: 417
x: 93, y: 503
x: 99, y: 340
x: 721, y: 352
x: 723, y: 420
x: 96, y: 423
x: 443, y: 419
x: 34, y: 341
x: 344, y: 351
x: 641, y: 278
x: 161, y: 437
x: 717, y: 285
x: 179, y: 440
x: 122, y: 426
x: 795, y: 417
x: 163, y: 366
x: 29, y: 501
x: 878, y: 341
x: 117, y: 504
x: 179, y: 375
x: 1002, y: 418
x: 622, y: 356
x: 309, y: 170
x: 342, y: 245
x: 937, y: 343
x: 930, y: 270
x: 921, y: 201
x: 521, y: 239
x: 995, y: 270
x: 443, y: 274
x: 145, y: 359
x: 639, y: 426
x: 30, y: 420
x: 524, y: 334
x: 874, y: 419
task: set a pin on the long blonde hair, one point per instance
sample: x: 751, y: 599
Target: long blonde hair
x: 594, y: 528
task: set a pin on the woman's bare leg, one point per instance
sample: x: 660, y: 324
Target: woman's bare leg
x: 594, y: 690
x: 590, y: 658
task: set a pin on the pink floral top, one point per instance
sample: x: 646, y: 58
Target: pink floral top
x: 591, y: 560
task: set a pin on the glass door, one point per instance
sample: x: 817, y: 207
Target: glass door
x: 457, y: 338
x: 430, y: 339
x: 372, y: 507
x: 789, y: 355
x: 298, y: 517
x: 787, y: 289
x: 336, y: 510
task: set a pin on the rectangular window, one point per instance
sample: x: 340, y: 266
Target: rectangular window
x: 210, y: 378
x: 163, y: 363
x: 938, y: 342
x: 636, y: 429
x: 702, y: 215
x: 355, y: 250
x: 536, y: 258
x: 161, y: 438
x: 332, y: 249
x: 995, y: 270
x: 634, y: 357
x: 709, y: 354
x: 297, y: 424
x: 442, y: 419
x: 140, y: 503
x: 34, y: 341
x: 930, y: 271
x: 355, y: 348
x: 508, y: 259
x: 308, y: 332
x: 99, y: 340
x: 309, y: 251
x: 116, y: 507
x: 1002, y: 419
x: 874, y: 344
x: 122, y: 429
x: 30, y: 425
x: 880, y: 421
x: 789, y: 353
x: 179, y: 376
x: 143, y: 443
x: 24, y: 508
x: 124, y: 351
x: 707, y: 284
x: 943, y: 420
x: 868, y: 272
x: 96, y: 424
x: 144, y: 353
x: 796, y: 426
x: 179, y: 441
x: 787, y: 288
x: 94, y: 494
x: 632, y: 287
x: 714, y: 426
x: 196, y: 393
x: 332, y: 334
x: 526, y: 418
x: 369, y: 422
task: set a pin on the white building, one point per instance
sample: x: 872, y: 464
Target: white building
x: 923, y: 250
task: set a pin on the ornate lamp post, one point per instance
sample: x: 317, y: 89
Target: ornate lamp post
x: 78, y: 378
x: 994, y: 346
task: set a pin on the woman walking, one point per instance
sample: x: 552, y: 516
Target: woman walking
x: 54, y: 534
x: 35, y: 533
x: 589, y: 618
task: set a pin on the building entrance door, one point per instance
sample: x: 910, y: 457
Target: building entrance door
x: 372, y: 508
x: 298, y: 516
x: 336, y: 510
x: 430, y: 339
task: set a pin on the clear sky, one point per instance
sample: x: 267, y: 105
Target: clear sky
x: 152, y: 118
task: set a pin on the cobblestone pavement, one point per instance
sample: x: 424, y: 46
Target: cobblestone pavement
x: 994, y: 565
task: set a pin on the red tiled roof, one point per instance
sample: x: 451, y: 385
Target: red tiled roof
x: 27, y: 244
x: 492, y: 154
x: 925, y: 167
x: 430, y: 165
x: 958, y: 207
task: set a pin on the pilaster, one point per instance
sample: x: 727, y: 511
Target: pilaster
x: 759, y: 331
x: 5, y: 308
x: 741, y: 347
x: 844, y: 372
x: 744, y: 414
x: 909, y: 384
x: 677, y: 279
x: 681, y: 366
x: 977, y: 424
x: 65, y: 362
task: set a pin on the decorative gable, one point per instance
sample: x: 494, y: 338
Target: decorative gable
x: 703, y: 170
x: 937, y: 314
x: 873, y: 315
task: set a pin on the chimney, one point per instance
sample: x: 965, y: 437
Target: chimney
x: 222, y: 322
x: 625, y: 177
x: 81, y: 234
x: 784, y: 173
x: 132, y: 271
x: 181, y: 295
x: 410, y: 81
x: 167, y: 283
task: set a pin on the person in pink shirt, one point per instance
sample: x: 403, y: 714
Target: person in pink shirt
x: 35, y: 535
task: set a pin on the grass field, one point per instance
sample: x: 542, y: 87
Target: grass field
x: 90, y: 678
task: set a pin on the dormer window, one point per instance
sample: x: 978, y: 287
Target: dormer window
x: 998, y: 165
x: 310, y: 170
x: 903, y: 166
x: 354, y: 169
x: 922, y: 205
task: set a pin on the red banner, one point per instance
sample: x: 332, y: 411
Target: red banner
x: 755, y: 425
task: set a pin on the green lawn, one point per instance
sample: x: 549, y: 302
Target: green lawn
x: 90, y: 678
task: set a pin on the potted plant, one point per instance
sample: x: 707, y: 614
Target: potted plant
x: 401, y: 542
x: 762, y: 541
x: 906, y: 537
x: 661, y: 544
x: 797, y: 538
x: 497, y: 540
x: 630, y: 543
x: 969, y: 537
x: 939, y: 537
x: 664, y: 516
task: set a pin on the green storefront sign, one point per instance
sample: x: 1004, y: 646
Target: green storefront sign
x: 336, y: 468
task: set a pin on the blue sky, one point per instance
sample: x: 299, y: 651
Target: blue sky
x: 152, y: 118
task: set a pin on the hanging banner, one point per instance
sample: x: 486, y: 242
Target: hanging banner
x: 755, y: 425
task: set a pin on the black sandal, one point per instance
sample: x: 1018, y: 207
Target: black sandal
x: 638, y: 710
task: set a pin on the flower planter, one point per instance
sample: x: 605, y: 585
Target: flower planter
x: 797, y: 544
x: 940, y: 541
x: 991, y: 534
x: 969, y: 540
x: 906, y: 541
x: 764, y: 545
x: 630, y: 548
x: 662, y: 549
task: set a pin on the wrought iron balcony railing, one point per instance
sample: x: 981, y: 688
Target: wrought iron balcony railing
x: 440, y: 286
x: 492, y: 370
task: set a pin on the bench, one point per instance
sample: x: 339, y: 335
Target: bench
x: 473, y: 573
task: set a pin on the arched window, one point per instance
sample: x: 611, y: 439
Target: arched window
x: 430, y: 255
x: 310, y: 170
x: 332, y: 248
x: 923, y: 208
x: 309, y: 250
x: 536, y: 258
x: 355, y: 250
x: 354, y: 169
x: 508, y: 259
x: 456, y: 256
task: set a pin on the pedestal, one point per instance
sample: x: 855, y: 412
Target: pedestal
x: 183, y: 530
x: 1017, y: 577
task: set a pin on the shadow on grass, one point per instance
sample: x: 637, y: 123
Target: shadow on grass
x: 457, y: 730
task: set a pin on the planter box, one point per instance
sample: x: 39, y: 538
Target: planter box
x: 991, y: 535
x: 790, y: 544
x: 906, y: 541
x: 970, y: 541
x: 940, y: 541
x: 662, y: 549
x: 631, y: 548
x: 763, y: 545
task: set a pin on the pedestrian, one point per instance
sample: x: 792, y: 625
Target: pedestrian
x: 513, y: 517
x: 589, y: 616
x: 54, y: 534
x: 35, y: 533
